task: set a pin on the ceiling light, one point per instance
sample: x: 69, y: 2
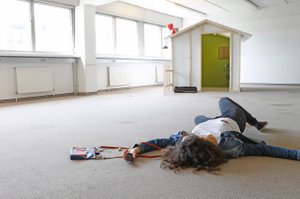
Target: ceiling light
x: 252, y: 3
x: 216, y: 5
x: 188, y: 8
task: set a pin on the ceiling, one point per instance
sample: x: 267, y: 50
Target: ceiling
x: 184, y: 8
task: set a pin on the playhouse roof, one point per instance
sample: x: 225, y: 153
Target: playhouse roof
x: 206, y: 21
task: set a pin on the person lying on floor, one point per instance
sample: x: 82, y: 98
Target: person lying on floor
x: 213, y: 141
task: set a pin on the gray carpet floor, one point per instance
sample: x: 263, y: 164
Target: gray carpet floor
x: 36, y: 136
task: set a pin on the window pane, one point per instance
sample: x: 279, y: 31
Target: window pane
x: 167, y: 46
x: 104, y: 34
x: 152, y: 40
x: 127, y: 37
x: 15, y: 26
x: 53, y: 26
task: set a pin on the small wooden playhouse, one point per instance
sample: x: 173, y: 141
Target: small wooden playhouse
x: 207, y: 55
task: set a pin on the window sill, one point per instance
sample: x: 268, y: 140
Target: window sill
x: 111, y: 57
x: 36, y: 55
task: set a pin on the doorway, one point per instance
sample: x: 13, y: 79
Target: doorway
x: 215, y: 62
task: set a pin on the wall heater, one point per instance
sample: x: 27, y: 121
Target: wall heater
x: 33, y: 80
x: 117, y: 76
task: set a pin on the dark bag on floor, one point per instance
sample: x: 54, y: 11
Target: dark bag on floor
x: 185, y: 89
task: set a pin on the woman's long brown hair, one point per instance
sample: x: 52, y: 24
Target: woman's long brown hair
x: 193, y: 152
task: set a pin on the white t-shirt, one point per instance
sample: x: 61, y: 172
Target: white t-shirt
x: 216, y: 127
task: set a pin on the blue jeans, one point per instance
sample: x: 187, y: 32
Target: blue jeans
x: 235, y: 144
x: 233, y: 110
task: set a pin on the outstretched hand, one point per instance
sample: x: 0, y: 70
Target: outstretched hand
x: 131, y: 154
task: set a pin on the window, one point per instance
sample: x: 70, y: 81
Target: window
x: 104, y: 34
x: 223, y: 52
x: 152, y: 40
x: 53, y: 33
x: 46, y: 27
x: 15, y: 27
x: 126, y: 37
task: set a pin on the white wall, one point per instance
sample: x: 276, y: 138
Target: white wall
x: 271, y: 55
x: 62, y: 75
x: 196, y: 57
x: 129, y: 73
x: 235, y: 57
x: 86, y: 47
x: 181, y: 60
x: 186, y: 57
x: 135, y: 72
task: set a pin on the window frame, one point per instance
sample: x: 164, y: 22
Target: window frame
x: 115, y: 34
x: 160, y: 35
x: 140, y: 39
x: 30, y: 29
x: 33, y: 31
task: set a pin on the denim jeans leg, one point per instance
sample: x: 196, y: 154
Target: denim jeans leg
x: 230, y: 109
x: 268, y: 150
x: 233, y: 147
x: 249, y: 118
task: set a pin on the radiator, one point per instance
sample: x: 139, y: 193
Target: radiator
x: 117, y: 76
x: 33, y: 80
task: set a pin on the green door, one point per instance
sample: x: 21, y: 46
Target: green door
x: 215, y: 61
